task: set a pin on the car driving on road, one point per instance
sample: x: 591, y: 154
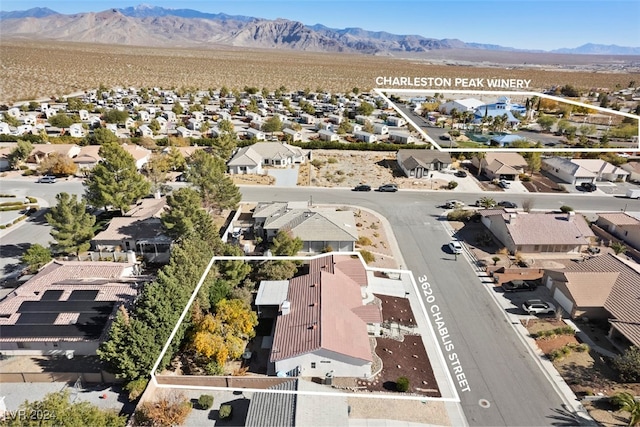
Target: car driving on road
x: 453, y: 204
x: 47, y: 179
x: 455, y: 247
x: 537, y: 306
x: 388, y: 188
x: 508, y: 204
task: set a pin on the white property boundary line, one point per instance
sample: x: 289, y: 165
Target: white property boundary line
x: 454, y: 399
x: 380, y: 91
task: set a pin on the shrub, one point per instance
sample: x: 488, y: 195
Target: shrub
x: 212, y: 368
x: 28, y: 172
x: 166, y: 410
x: 452, y: 184
x: 402, y: 384
x: 7, y: 195
x: 367, y: 256
x: 459, y: 215
x: 205, y: 401
x: 582, y: 348
x: 327, y: 249
x: 11, y: 204
x: 332, y: 160
x: 628, y: 365
x: 225, y: 411
x: 555, y: 355
x: 364, y: 241
x: 317, y: 162
x: 565, y: 209
x: 32, y: 199
x: 136, y: 388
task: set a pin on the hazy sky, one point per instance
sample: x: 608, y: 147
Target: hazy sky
x: 524, y: 24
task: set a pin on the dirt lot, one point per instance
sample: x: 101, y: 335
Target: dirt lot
x: 541, y: 183
x: 253, y: 179
x: 346, y: 168
x: 587, y: 373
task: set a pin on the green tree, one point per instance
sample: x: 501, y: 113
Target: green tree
x: 284, y: 244
x: 177, y: 109
x: 546, y: 122
x: 72, y: 224
x: 618, y: 248
x: 272, y: 124
x: 486, y: 202
x: 20, y: 154
x: 115, y: 182
x: 156, y: 171
x: 566, y: 209
x: 207, y: 174
x: 115, y: 116
x: 534, y: 161
x: 35, y: 257
x: 176, y: 160
x: 276, y: 270
x: 344, y: 127
x: 103, y: 136
x: 185, y: 216
x: 627, y: 402
x: 365, y: 108
x: 61, y: 120
x: 61, y: 412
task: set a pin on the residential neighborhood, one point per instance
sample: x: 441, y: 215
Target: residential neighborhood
x: 213, y: 242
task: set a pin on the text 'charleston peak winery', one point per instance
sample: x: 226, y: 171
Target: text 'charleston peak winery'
x: 450, y: 82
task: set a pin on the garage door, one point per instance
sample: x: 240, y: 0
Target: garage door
x: 564, y: 302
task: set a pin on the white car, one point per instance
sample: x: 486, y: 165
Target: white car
x: 47, y: 179
x: 455, y: 247
x: 453, y: 204
x: 504, y: 183
x: 537, y: 306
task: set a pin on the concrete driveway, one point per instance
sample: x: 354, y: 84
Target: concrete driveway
x: 285, y: 177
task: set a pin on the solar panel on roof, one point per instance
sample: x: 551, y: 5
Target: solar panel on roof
x: 102, y: 307
x: 37, y: 318
x: 83, y: 295
x: 51, y: 295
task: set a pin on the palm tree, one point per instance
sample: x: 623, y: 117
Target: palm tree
x: 618, y: 248
x: 627, y: 402
x: 480, y: 155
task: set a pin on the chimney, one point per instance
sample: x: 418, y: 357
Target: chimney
x: 511, y: 218
x: 285, y: 308
x: 571, y: 215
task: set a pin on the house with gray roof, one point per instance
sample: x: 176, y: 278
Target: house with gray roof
x: 321, y: 329
x: 418, y: 163
x: 318, y: 229
x: 140, y: 230
x: 273, y: 409
x: 602, y: 287
x: 567, y: 171
x: 251, y: 159
x: 538, y: 232
x: 621, y: 225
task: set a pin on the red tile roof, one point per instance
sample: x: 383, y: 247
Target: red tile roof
x: 326, y: 312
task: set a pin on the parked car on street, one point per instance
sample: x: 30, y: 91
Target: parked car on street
x: 508, y: 204
x: 47, y: 179
x: 362, y: 187
x: 388, y: 188
x: 455, y: 247
x: 537, y: 306
x: 519, y: 286
x: 587, y: 186
x: 453, y: 204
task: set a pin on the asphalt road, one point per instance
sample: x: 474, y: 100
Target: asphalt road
x: 504, y: 385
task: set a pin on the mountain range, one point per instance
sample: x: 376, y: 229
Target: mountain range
x: 146, y: 25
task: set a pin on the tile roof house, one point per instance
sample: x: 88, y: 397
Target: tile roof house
x: 317, y: 228
x: 65, y: 308
x: 249, y: 160
x: 88, y: 157
x: 501, y: 165
x: 273, y: 409
x: 634, y: 170
x: 140, y: 154
x: 322, y: 327
x: 538, y: 232
x: 621, y: 225
x: 601, y: 287
x: 568, y: 171
x: 418, y: 163
x: 139, y: 230
x: 42, y: 151
x: 604, y: 171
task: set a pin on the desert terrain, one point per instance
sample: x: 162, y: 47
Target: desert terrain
x: 44, y: 69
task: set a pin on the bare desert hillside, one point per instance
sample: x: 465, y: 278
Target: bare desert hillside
x: 43, y: 69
